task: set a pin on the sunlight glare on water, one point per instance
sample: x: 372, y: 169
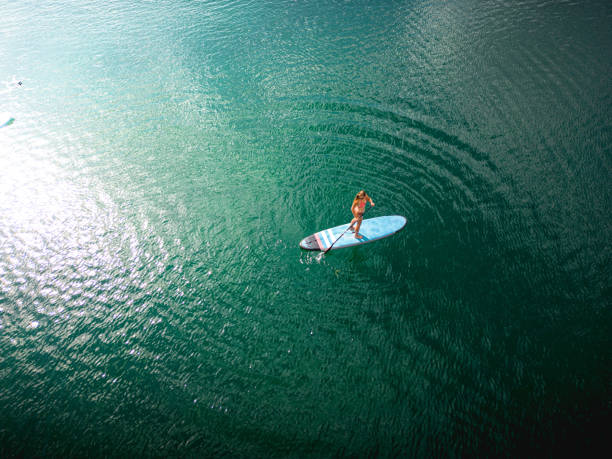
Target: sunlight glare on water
x: 166, y: 158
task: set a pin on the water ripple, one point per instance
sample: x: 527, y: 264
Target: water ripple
x: 153, y: 198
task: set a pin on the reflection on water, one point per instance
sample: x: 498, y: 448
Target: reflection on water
x: 167, y: 158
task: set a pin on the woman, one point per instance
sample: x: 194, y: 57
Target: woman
x: 358, y: 208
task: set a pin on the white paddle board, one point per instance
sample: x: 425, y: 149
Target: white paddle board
x: 371, y: 229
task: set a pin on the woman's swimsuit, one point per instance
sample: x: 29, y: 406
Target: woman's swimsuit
x: 361, y: 208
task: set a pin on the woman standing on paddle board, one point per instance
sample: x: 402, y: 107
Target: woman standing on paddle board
x: 358, y: 208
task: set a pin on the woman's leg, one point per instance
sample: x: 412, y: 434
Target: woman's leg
x: 357, y: 235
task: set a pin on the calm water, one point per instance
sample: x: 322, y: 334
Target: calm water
x: 167, y: 157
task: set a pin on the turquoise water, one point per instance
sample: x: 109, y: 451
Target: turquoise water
x: 167, y: 157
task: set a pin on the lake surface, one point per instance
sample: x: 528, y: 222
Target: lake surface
x: 167, y: 157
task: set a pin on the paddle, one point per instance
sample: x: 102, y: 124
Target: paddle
x: 338, y: 238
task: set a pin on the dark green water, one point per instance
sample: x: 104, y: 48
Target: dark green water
x: 167, y: 157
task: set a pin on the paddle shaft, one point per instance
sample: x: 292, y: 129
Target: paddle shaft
x: 338, y: 238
